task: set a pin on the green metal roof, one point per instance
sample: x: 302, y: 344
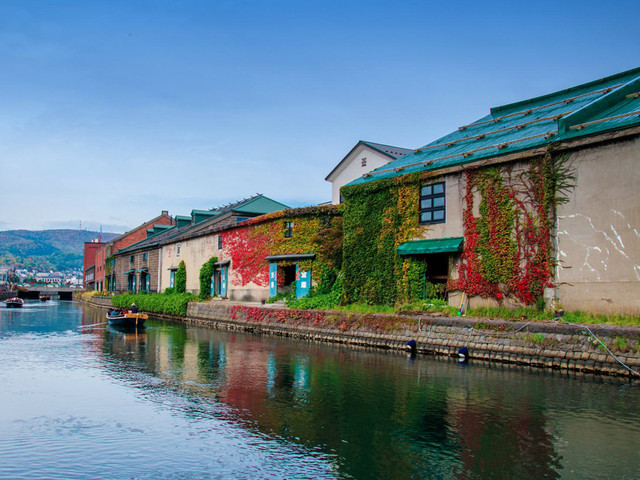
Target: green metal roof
x: 202, y: 215
x: 260, y: 205
x: 435, y: 245
x: 611, y: 103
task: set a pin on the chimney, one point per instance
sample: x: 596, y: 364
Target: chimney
x: 165, y: 212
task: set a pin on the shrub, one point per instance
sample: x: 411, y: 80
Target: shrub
x: 181, y: 278
x: 171, y: 303
x: 206, y: 272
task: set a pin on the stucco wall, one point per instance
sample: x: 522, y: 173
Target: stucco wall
x: 598, y: 231
x: 454, y: 197
x: 194, y: 252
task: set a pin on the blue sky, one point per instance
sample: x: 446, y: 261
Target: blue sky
x: 113, y: 110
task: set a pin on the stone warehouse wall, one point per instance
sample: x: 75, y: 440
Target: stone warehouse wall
x: 541, y: 344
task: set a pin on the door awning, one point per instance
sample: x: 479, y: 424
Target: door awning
x: 436, y: 245
x: 143, y: 270
x: 223, y: 263
x: 291, y: 257
x: 129, y: 271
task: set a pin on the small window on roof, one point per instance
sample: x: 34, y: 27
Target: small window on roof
x: 130, y: 258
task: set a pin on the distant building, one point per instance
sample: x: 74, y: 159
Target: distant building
x: 363, y: 158
x: 141, y: 266
x: 102, y: 271
x: 57, y: 278
x: 90, y: 249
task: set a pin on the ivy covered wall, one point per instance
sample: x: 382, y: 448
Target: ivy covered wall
x: 315, y: 230
x: 507, y: 250
x: 507, y: 246
x: 378, y: 217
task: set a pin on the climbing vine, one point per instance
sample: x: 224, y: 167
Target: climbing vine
x: 315, y: 230
x: 508, y: 246
x: 379, y: 217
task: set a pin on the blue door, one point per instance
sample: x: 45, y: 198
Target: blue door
x: 212, y: 291
x: 223, y: 281
x: 303, y: 282
x: 273, y: 279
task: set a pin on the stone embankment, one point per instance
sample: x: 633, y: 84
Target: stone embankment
x: 556, y: 345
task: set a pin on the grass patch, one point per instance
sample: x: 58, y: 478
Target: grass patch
x: 504, y: 313
x: 431, y: 305
x: 535, y: 338
x: 583, y: 317
x: 536, y: 315
x: 364, y: 308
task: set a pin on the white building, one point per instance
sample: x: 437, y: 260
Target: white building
x: 363, y: 158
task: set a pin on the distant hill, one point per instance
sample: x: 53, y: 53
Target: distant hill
x: 46, y: 249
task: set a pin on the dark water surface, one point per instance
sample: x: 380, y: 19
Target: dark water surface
x: 177, y: 402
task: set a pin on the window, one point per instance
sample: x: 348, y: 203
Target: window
x: 219, y: 242
x: 288, y: 229
x: 364, y: 161
x: 131, y: 259
x: 144, y: 256
x: 177, y: 250
x: 432, y: 204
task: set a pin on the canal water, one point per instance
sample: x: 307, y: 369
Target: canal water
x: 80, y: 400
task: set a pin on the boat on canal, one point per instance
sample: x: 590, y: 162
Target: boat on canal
x: 14, y: 302
x: 126, y: 319
x: 45, y: 298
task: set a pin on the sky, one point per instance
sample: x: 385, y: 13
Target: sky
x: 114, y: 110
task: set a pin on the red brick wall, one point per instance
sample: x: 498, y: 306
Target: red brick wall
x: 139, y: 233
x: 90, y: 249
x: 100, y: 266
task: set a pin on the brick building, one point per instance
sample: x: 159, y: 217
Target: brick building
x: 102, y: 274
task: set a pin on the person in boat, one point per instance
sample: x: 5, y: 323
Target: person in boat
x: 133, y: 308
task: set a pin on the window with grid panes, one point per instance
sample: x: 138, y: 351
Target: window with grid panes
x: 432, y: 203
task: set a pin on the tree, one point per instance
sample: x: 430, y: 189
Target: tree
x: 181, y: 278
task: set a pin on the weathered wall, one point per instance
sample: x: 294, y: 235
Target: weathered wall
x: 194, y: 252
x: 123, y: 264
x: 598, y: 237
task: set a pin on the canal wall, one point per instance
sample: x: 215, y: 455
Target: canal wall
x: 554, y: 345
x: 601, y: 349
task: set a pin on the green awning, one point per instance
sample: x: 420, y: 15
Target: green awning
x: 436, y: 245
x: 129, y: 271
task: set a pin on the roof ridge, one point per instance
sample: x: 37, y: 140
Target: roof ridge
x: 583, y: 86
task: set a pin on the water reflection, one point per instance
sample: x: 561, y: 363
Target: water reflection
x: 174, y: 401
x: 383, y: 416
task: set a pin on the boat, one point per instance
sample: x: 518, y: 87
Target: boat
x: 44, y: 298
x: 14, y: 302
x: 126, y: 319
